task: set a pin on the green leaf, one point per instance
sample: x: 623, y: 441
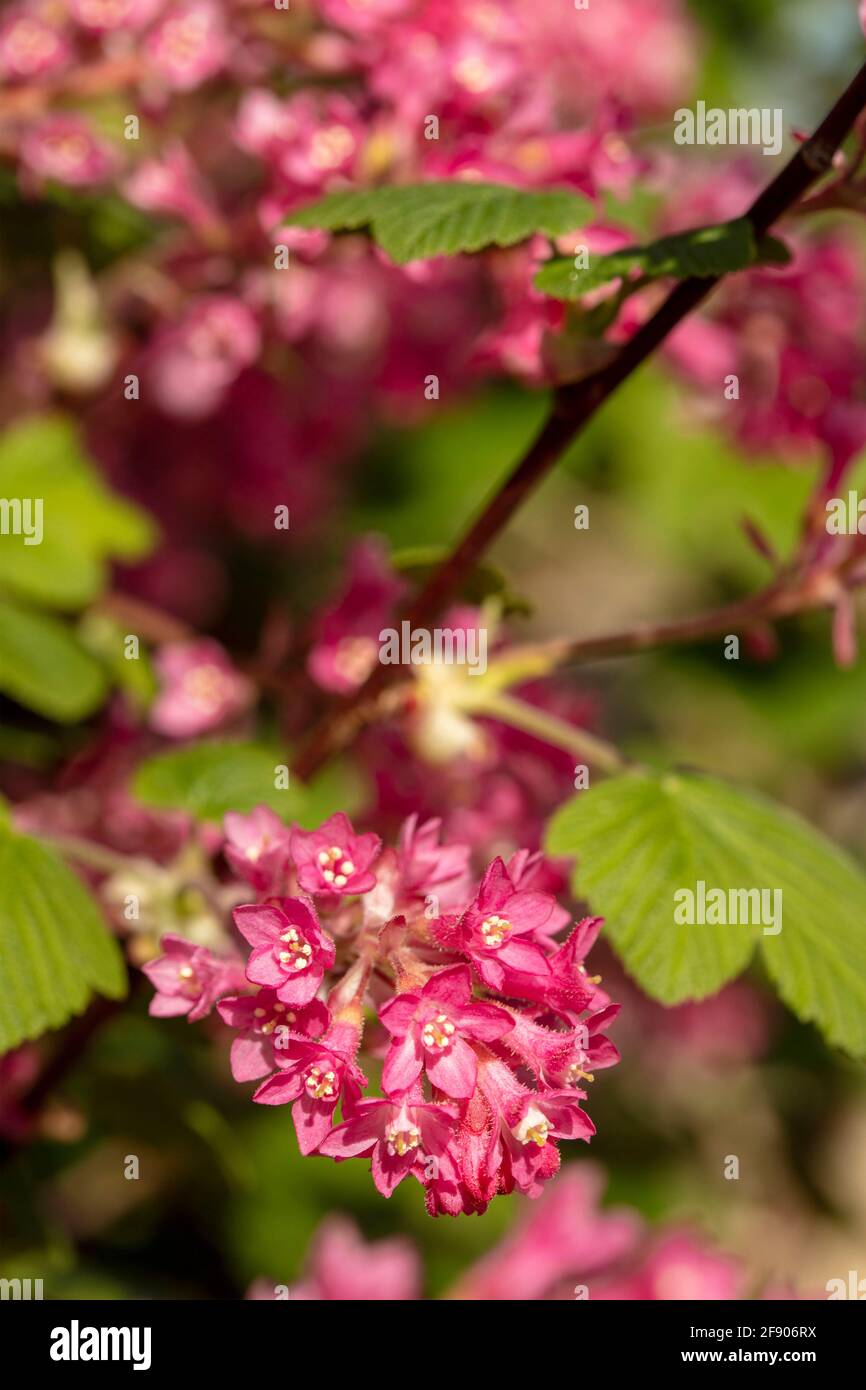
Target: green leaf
x: 702, y: 251
x: 416, y: 221
x: 340, y: 786
x: 55, y: 948
x: 43, y: 666
x: 642, y: 837
x: 207, y: 779
x: 83, y: 524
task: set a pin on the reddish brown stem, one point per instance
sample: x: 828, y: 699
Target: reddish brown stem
x: 573, y: 406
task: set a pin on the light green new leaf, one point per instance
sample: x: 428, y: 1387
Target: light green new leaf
x: 55, y: 948
x: 417, y: 221
x: 207, y: 779
x: 43, y: 666
x: 83, y: 524
x: 641, y: 837
x: 702, y: 251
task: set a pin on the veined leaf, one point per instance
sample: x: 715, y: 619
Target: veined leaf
x: 640, y: 838
x: 702, y: 251
x: 55, y: 948
x: 417, y: 221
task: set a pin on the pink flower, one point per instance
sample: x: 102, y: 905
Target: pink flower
x: 333, y: 859
x: 173, y: 186
x: 315, y: 1076
x: 104, y: 16
x: 398, y: 1136
x: 565, y: 1234
x: 505, y: 1135
x: 189, y: 45
x: 30, y: 47
x: 290, y: 951
x: 493, y: 931
x: 64, y: 148
x: 264, y: 1022
x: 430, y: 1028
x: 346, y: 644
x: 193, y: 362
x: 201, y: 689
x: 344, y: 1266
x: 257, y: 848
x: 366, y: 17
x: 306, y: 139
x: 428, y: 867
x: 570, y: 989
x: 679, y: 1268
x: 188, y: 979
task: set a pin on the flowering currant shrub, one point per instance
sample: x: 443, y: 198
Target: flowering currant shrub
x: 486, y: 1025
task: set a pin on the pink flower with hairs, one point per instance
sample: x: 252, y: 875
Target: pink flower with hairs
x: 189, y: 979
x: 290, y: 951
x: 333, y: 859
x: 263, y: 1022
x: 398, y: 1137
x: 432, y: 1030
x: 497, y: 931
x: 315, y: 1076
x: 257, y: 848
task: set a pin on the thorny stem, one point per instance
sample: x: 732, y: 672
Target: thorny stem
x: 574, y: 405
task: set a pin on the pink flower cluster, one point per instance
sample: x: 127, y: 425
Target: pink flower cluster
x: 481, y: 1012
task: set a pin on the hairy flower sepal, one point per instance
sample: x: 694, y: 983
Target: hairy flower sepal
x: 290, y: 951
x: 431, y: 1029
x: 399, y: 1136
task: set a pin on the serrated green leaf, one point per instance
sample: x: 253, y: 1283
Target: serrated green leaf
x: 207, y: 779
x: 43, y: 666
x: 642, y: 837
x: 417, y: 221
x: 83, y: 524
x: 702, y: 251
x: 55, y: 948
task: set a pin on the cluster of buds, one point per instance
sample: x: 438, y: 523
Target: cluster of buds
x: 486, y: 1023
